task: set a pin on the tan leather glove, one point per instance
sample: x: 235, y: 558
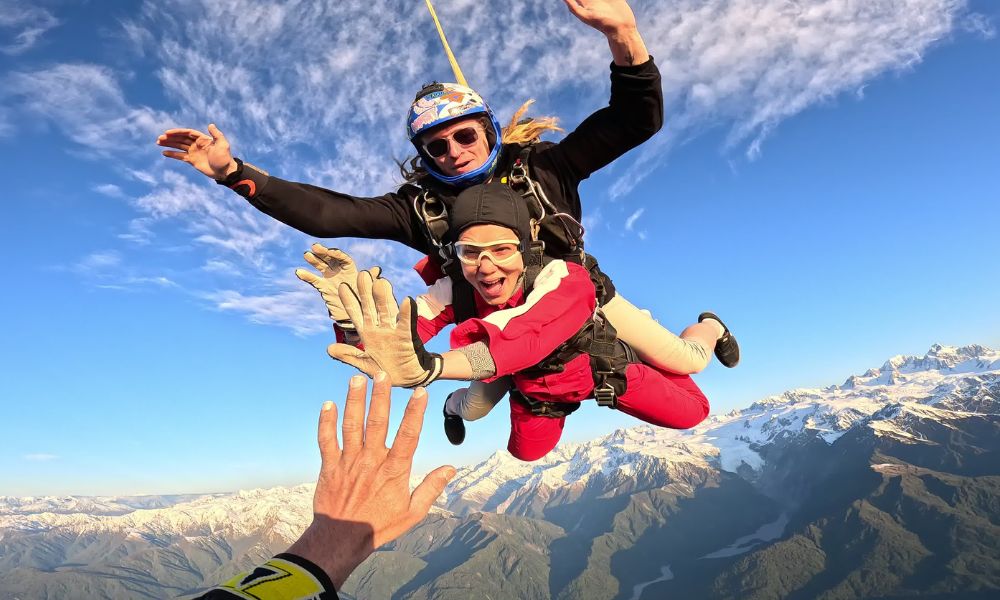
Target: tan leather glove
x: 336, y: 267
x: 388, y: 333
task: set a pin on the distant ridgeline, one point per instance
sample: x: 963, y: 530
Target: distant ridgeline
x: 884, y: 487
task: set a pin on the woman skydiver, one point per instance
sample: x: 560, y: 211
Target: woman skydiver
x: 460, y: 143
x: 536, y: 321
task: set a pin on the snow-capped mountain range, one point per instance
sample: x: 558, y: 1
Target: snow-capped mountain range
x: 734, y: 440
x: 922, y: 386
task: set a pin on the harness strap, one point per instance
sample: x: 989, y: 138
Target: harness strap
x: 536, y: 199
x: 539, y: 408
x: 434, y: 216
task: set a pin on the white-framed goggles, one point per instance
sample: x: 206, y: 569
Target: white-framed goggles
x: 500, y: 252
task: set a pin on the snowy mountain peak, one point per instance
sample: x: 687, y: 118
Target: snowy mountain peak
x: 946, y: 358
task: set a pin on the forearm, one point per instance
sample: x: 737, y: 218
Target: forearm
x: 633, y: 115
x: 326, y: 213
x: 627, y: 47
x: 335, y: 559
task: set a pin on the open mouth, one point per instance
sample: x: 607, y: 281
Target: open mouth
x: 492, y: 288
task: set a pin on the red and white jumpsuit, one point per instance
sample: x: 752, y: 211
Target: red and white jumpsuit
x: 525, y: 330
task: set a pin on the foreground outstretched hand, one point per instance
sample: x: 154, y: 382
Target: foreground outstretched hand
x: 363, y: 497
x: 335, y: 267
x: 207, y: 152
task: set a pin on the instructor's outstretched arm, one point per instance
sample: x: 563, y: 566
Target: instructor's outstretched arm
x: 362, y: 499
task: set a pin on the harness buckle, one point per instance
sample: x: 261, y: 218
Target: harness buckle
x: 605, y: 393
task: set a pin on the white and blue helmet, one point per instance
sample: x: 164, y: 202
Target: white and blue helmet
x: 439, y: 103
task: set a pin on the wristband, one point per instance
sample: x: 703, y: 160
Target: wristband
x: 284, y: 577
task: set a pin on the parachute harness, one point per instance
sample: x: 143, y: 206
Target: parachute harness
x: 609, y: 356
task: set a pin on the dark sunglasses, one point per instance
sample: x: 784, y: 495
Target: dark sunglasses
x: 465, y: 136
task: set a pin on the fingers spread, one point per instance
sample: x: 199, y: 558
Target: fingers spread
x: 329, y: 449
x: 354, y: 417
x: 427, y: 492
x: 308, y: 277
x: 385, y: 302
x: 317, y: 262
x: 183, y: 144
x: 378, y: 413
x: 367, y: 301
x: 182, y: 156
x: 349, y: 354
x: 183, y: 131
x: 407, y: 315
x: 217, y: 134
x: 352, y: 306
x: 336, y: 257
x: 405, y: 443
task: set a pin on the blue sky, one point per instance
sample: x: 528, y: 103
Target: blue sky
x: 827, y: 182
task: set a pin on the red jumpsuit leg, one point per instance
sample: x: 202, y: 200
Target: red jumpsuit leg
x: 531, y: 436
x: 662, y: 398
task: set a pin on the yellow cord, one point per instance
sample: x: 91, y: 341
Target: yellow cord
x: 447, y: 49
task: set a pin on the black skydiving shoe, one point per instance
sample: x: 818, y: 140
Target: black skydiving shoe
x: 454, y: 426
x: 727, y: 350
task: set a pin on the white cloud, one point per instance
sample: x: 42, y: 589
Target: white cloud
x: 22, y: 26
x: 223, y: 267
x: 109, y: 189
x: 284, y: 74
x: 107, y: 269
x: 754, y: 63
x: 99, y: 261
x: 138, y: 232
x: 630, y: 221
x: 980, y: 25
x: 86, y: 103
x: 142, y: 176
x: 300, y: 310
x: 40, y: 457
x: 317, y: 91
x: 214, y: 217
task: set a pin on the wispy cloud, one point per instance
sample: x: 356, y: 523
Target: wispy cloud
x: 40, y: 457
x: 300, y: 310
x: 630, y: 221
x: 22, y: 26
x: 980, y: 25
x: 86, y: 103
x: 97, y: 262
x: 754, y: 63
x: 107, y: 269
x: 110, y: 190
x: 316, y: 92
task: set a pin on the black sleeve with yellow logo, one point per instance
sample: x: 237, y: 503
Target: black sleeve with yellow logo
x: 284, y: 577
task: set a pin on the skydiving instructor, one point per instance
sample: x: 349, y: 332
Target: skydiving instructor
x: 460, y: 143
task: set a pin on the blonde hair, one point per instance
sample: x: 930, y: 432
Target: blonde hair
x: 526, y: 131
x: 519, y: 130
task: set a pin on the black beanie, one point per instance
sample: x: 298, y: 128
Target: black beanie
x: 490, y: 203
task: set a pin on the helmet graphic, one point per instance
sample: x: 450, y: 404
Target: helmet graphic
x: 440, y: 103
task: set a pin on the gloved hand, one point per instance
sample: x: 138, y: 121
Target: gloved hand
x: 388, y: 333
x: 336, y: 267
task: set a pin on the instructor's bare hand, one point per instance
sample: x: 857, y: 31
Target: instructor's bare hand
x: 363, y: 498
x: 207, y: 152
